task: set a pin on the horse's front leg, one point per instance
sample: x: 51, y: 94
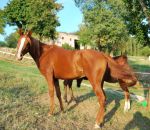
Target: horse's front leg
x: 51, y: 89
x: 58, y: 93
x: 127, y: 105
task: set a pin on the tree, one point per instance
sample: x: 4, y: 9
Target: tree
x: 39, y: 15
x: 2, y: 44
x: 145, y: 51
x: 133, y: 46
x: 11, y: 40
x: 2, y: 22
x: 84, y: 35
x: 135, y: 14
x: 138, y: 19
x: 103, y: 25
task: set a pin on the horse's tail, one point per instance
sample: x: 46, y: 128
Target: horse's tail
x: 118, y: 71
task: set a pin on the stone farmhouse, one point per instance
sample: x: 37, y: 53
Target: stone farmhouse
x: 67, y: 38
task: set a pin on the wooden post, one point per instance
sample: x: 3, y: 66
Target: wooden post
x: 148, y: 99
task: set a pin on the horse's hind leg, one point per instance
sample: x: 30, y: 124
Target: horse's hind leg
x: 71, y: 92
x: 68, y: 85
x: 65, y: 90
x: 101, y: 99
x: 58, y: 93
x: 94, y: 70
x: 98, y: 89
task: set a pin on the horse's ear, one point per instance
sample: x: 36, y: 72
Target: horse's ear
x: 20, y: 31
x: 29, y: 33
x: 125, y: 57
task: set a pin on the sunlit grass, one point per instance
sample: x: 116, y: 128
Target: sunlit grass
x: 24, y: 104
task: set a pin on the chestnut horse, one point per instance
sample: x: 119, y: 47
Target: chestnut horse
x: 57, y: 63
x: 122, y: 60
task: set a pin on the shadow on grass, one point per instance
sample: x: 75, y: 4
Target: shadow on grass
x: 110, y: 98
x: 139, y: 121
x: 81, y: 99
x: 16, y: 92
x: 144, y: 79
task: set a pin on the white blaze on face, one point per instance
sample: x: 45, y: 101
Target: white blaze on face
x: 21, y: 47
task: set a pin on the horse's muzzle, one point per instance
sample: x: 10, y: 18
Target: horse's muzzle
x: 19, y: 57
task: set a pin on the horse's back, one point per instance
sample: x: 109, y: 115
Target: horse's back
x: 68, y: 64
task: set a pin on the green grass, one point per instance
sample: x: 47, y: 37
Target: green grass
x: 19, y: 68
x: 140, y: 64
x: 24, y: 104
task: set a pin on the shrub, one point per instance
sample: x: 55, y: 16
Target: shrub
x: 67, y: 46
x: 3, y: 44
x: 145, y: 51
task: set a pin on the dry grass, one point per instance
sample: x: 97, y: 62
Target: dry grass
x: 24, y: 104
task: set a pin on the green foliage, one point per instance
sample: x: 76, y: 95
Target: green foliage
x: 2, y: 22
x: 133, y: 16
x: 39, y: 15
x: 145, y: 51
x: 138, y: 19
x: 67, y: 46
x: 11, y: 40
x: 103, y: 27
x: 3, y: 44
x: 84, y: 34
x: 133, y: 46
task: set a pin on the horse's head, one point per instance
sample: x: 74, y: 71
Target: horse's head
x: 24, y: 43
x: 123, y: 61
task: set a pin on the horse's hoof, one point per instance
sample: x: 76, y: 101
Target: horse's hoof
x: 63, y: 111
x: 75, y: 100
x: 50, y: 114
x: 66, y: 101
x: 98, y: 126
x: 127, y: 106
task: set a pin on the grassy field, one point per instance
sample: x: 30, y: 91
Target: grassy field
x: 24, y: 104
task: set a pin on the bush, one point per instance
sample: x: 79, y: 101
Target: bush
x: 12, y: 40
x: 67, y: 46
x: 3, y: 44
x: 145, y: 51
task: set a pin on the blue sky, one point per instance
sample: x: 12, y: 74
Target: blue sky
x: 69, y: 17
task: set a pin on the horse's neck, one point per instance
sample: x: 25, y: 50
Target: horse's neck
x: 37, y: 49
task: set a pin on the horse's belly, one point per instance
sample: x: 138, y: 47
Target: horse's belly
x: 68, y: 72
x: 68, y: 75
x: 68, y: 66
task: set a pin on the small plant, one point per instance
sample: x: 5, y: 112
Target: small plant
x: 145, y: 51
x: 67, y: 46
